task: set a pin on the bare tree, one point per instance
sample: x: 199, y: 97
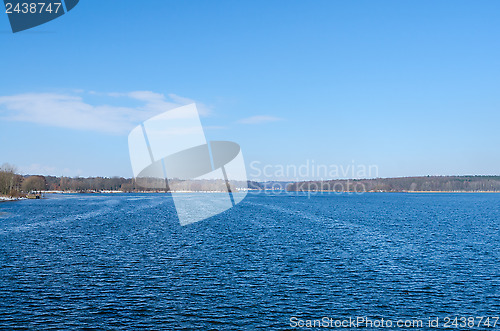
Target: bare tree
x: 9, y: 180
x: 34, y: 183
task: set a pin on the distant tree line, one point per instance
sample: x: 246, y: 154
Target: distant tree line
x: 96, y: 184
x: 403, y: 184
x: 13, y: 184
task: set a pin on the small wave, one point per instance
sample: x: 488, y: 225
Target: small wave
x: 36, y: 225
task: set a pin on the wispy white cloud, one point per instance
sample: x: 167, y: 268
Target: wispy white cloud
x: 74, y: 112
x: 260, y: 119
x: 155, y: 101
x: 203, y: 109
x: 214, y: 127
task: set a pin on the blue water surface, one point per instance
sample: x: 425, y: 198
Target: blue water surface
x: 123, y: 262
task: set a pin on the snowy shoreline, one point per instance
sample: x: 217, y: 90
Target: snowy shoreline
x: 7, y: 199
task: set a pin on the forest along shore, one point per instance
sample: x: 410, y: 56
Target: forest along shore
x: 13, y: 185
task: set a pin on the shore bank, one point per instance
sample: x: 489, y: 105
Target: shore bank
x: 7, y: 199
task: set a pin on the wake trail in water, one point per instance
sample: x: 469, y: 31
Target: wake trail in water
x: 56, y: 222
x: 367, y: 236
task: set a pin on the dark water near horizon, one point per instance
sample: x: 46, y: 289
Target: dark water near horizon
x: 122, y: 261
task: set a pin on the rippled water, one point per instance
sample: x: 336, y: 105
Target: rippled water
x: 122, y: 261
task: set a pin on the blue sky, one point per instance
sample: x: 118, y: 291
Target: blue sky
x: 411, y: 87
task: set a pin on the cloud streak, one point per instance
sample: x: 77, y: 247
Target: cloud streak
x: 73, y: 112
x: 260, y: 119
